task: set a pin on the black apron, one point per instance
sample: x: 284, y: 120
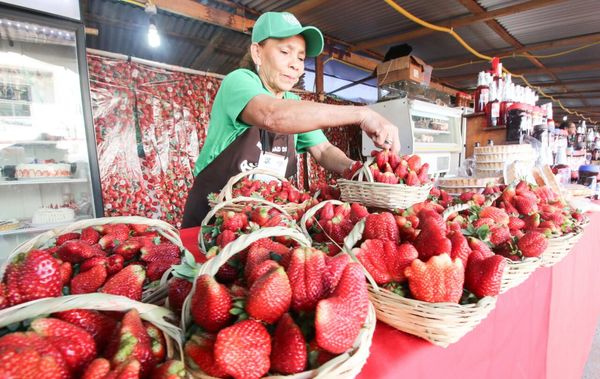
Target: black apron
x: 241, y: 155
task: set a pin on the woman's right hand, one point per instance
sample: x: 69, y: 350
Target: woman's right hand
x: 383, y: 133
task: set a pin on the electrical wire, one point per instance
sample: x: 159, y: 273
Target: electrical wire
x: 133, y: 2
x: 450, y: 31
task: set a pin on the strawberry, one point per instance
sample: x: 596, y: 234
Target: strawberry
x: 66, y: 270
x: 388, y: 178
x: 460, y: 247
x: 483, y: 277
x: 401, y: 259
x: 256, y: 255
x: 98, y: 325
x: 114, y: 264
x: 270, y: 296
x: 349, y: 173
x: 498, y: 215
x: 288, y: 350
x: 32, y: 276
x: 41, y: 345
x: 414, y: 163
x: 157, y: 341
x: 432, y: 240
x: 381, y: 226
x: 128, y: 282
x: 515, y: 223
x: 97, y: 369
x: 338, y: 228
x: 76, y: 251
x: 412, y: 179
x: 243, y: 349
x: 178, y: 290
x: 334, y: 267
x: 260, y: 215
x: 382, y: 158
x: 90, y: 235
x: 163, y: 251
x: 438, y: 280
x: 75, y: 344
x: 91, y: 262
x: 327, y: 212
x: 129, y: 249
x: 171, y: 369
x: 21, y: 362
x: 401, y: 171
x: 423, y: 173
x: 234, y: 221
x: 225, y: 238
x: 259, y: 270
x: 499, y: 234
x: 525, y: 205
x: 480, y: 246
x: 138, y: 228
x: 532, y: 244
x: 483, y: 221
x: 117, y: 236
x: 67, y: 237
x: 200, y: 350
x: 156, y: 269
x: 135, y: 344
x: 88, y: 281
x: 132, y: 369
x: 211, y: 304
x: 371, y: 255
x: 305, y: 273
x: 339, y: 318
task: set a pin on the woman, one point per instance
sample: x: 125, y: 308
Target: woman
x: 257, y: 122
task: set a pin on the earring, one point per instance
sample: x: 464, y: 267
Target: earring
x: 257, y: 68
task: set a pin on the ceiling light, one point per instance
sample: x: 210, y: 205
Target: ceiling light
x: 153, y: 36
x: 564, y: 118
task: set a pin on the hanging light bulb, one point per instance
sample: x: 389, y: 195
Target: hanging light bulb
x: 153, y: 36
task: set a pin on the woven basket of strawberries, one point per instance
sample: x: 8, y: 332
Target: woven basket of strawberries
x: 387, y: 181
x: 328, y: 223
x: 294, y: 314
x: 89, y: 336
x: 223, y: 225
x: 429, y: 282
x: 279, y: 191
x: 129, y: 256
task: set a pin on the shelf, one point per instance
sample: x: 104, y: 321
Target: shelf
x: 20, y: 182
x: 40, y: 228
x: 39, y: 142
x: 431, y: 131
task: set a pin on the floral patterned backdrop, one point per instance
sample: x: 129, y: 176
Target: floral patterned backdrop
x: 150, y: 125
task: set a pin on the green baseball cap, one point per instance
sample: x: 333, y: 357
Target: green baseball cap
x: 284, y: 25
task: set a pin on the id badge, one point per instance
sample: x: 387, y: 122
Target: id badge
x: 271, y: 162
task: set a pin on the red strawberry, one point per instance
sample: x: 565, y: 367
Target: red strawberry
x: 483, y: 277
x: 478, y: 199
x: 525, y: 205
x: 338, y: 228
x: 305, y: 273
x: 381, y: 226
x: 114, y: 264
x: 498, y: 215
x: 412, y: 179
x: 21, y: 362
x: 480, y: 246
x: 403, y: 257
x: 234, y: 221
x: 515, y: 223
x: 117, y: 236
x: 88, y: 281
x: 138, y: 228
x: 66, y: 270
x: 32, y: 276
x: 388, y: 178
x: 75, y: 344
x: 499, y: 234
x: 211, y: 304
x: 243, y: 350
x: 401, y: 171
x: 157, y: 341
x: 129, y: 249
x: 128, y: 282
x: 438, y: 280
x: 179, y: 289
x: 98, y: 325
x: 76, y: 251
x: 256, y: 255
x: 90, y: 235
x: 259, y: 270
x: 156, y: 269
x: 67, y: 237
x: 422, y: 175
x: 288, y: 351
x: 225, y: 238
x: 327, y: 212
x: 334, y: 267
x: 414, y: 163
x: 98, y: 369
x: 483, y: 221
x: 135, y: 344
x: 132, y: 369
x: 41, y: 345
x: 460, y: 247
x: 339, y: 318
x: 382, y: 158
x: 200, y: 350
x: 163, y: 251
x: 371, y: 255
x: 171, y: 369
x: 270, y: 296
x: 260, y: 215
x: 432, y: 241
x: 532, y: 244
x: 532, y: 221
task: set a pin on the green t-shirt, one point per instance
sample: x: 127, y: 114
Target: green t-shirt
x: 237, y: 89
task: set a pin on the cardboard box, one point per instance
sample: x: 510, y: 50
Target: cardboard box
x: 404, y: 68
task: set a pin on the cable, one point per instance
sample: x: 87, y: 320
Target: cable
x: 444, y: 29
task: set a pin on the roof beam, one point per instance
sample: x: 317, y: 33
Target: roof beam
x: 555, y: 69
x: 455, y: 23
x: 304, y: 6
x: 568, y: 82
x: 507, y: 53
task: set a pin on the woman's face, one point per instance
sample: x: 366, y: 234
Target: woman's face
x: 572, y: 129
x: 280, y: 62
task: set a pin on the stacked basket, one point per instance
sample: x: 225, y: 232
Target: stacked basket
x: 490, y: 161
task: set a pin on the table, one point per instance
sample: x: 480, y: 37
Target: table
x: 541, y: 329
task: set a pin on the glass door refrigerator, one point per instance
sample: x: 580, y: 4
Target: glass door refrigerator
x: 49, y: 171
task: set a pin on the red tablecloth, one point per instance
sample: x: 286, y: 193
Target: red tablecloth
x: 541, y: 329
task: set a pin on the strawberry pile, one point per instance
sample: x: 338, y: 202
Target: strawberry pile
x: 390, y: 168
x: 118, y: 259
x: 227, y: 226
x: 331, y: 224
x: 275, y: 191
x: 289, y: 310
x: 82, y: 343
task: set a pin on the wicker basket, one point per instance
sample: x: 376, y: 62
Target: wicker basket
x: 516, y: 273
x: 234, y: 203
x: 346, y: 365
x: 160, y: 317
x: 227, y: 195
x: 150, y: 295
x: 560, y: 247
x: 311, y: 213
x: 439, y: 323
x: 369, y: 193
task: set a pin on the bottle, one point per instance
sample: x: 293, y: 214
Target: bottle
x: 482, y: 93
x: 493, y: 107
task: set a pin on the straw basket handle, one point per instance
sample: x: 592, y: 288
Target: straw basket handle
x: 350, y: 241
x: 224, y: 204
x: 364, y: 173
x: 311, y: 213
x: 211, y: 267
x: 226, y: 192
